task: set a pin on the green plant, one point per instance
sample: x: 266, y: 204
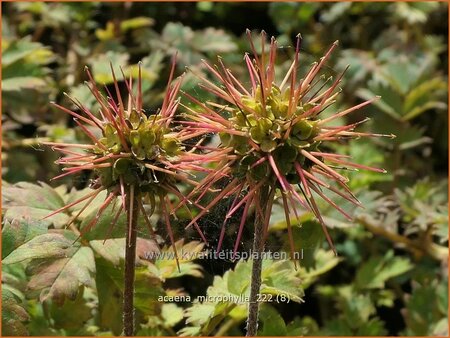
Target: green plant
x: 389, y: 277
x: 276, y: 139
x: 137, y: 157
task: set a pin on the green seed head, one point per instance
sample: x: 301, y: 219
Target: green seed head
x: 148, y: 141
x: 267, y: 122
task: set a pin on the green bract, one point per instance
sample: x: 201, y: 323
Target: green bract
x: 147, y: 142
x: 266, y: 122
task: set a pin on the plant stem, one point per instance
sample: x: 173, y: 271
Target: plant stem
x: 25, y: 143
x: 130, y: 261
x: 417, y: 247
x: 225, y: 327
x: 258, y: 249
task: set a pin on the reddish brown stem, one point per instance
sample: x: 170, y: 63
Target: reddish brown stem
x: 258, y: 249
x: 132, y: 204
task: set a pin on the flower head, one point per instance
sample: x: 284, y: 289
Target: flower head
x: 136, y: 154
x: 274, y: 135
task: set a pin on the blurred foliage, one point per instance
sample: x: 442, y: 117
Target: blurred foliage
x: 390, y: 277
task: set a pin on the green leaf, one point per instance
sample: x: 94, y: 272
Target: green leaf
x: 422, y: 93
x: 101, y: 69
x: 72, y: 314
x: 172, y: 314
x: 376, y: 271
x: 13, y: 315
x: 385, y: 298
x: 336, y: 12
x: 58, y: 265
x: 21, y: 49
x: 237, y: 283
x: 286, y: 15
x: 355, y: 308
x: 33, y: 195
x: 75, y: 195
x: 272, y: 322
x: 423, y: 108
x: 33, y: 202
x: 103, y: 226
x: 278, y: 219
x: 113, y: 250
x: 390, y: 102
x: 189, y: 331
x: 23, y: 71
x: 14, y: 280
x: 107, y: 33
x: 440, y: 328
x: 306, y: 326
x: 309, y: 234
x: 147, y: 286
x: 423, y: 310
x: 151, y: 67
x: 336, y: 327
x: 260, y: 131
x: 166, y: 265
x: 178, y: 37
x: 61, y: 278
x: 280, y: 278
x: 136, y: 22
x: 82, y: 93
x: 192, y: 44
x: 148, y: 289
x: 414, y: 13
x: 371, y: 155
x: 373, y: 327
x: 199, y: 314
x: 17, y: 232
x: 324, y: 261
x: 411, y: 137
x: 23, y: 82
x: 213, y: 40
x: 157, y: 325
x: 358, y: 310
x: 110, y: 298
x: 51, y: 245
x: 402, y: 75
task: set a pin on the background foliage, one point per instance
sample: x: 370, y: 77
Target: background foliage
x: 390, y: 277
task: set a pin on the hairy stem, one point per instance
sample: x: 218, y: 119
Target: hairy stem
x: 258, y: 249
x: 132, y: 203
x: 420, y: 247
